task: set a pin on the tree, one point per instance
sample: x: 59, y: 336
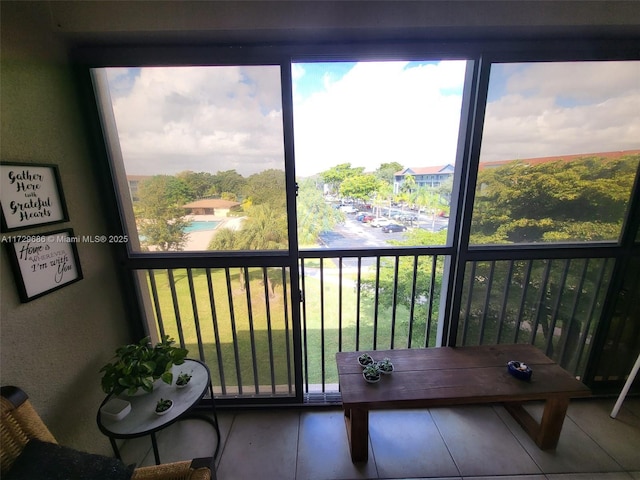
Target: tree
x: 314, y: 214
x: 267, y: 188
x: 229, y: 181
x: 428, y: 200
x: 199, y: 185
x: 583, y: 199
x: 226, y: 239
x: 160, y: 212
x: 360, y: 187
x: 264, y: 229
x: 397, y: 288
x: 336, y: 175
x: 408, y: 185
x: 387, y: 171
x: 382, y: 197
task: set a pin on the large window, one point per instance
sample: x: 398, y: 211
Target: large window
x: 367, y: 135
x: 376, y: 199
x: 202, y: 156
x: 560, y: 149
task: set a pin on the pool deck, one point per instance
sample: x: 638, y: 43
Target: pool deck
x: 200, y: 240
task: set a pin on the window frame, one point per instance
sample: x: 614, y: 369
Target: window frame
x: 481, y: 55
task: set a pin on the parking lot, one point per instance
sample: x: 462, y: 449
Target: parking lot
x: 355, y: 234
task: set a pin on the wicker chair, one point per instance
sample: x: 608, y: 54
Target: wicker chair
x: 21, y: 423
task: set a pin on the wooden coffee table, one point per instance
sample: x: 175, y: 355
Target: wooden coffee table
x: 448, y: 376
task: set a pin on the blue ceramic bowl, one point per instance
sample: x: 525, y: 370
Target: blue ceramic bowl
x: 519, y: 370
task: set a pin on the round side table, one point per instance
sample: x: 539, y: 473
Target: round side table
x: 142, y: 419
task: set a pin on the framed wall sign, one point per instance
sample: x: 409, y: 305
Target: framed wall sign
x: 30, y: 194
x: 43, y: 263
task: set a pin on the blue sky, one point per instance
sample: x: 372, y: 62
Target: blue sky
x: 316, y: 74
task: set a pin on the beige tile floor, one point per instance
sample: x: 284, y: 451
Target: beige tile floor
x: 468, y: 442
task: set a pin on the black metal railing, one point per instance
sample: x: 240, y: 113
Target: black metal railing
x: 239, y: 320
x: 365, y: 302
x: 554, y: 304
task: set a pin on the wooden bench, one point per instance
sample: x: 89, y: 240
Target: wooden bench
x: 448, y: 376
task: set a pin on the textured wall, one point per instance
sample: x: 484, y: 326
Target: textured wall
x: 54, y: 346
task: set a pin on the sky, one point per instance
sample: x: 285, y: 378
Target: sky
x: 171, y: 119
x: 548, y: 109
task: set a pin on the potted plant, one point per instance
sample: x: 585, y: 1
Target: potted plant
x: 364, y: 359
x: 385, y: 365
x: 371, y: 373
x: 183, y: 379
x: 163, y: 406
x: 138, y: 365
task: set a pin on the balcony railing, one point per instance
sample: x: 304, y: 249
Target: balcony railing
x: 239, y: 320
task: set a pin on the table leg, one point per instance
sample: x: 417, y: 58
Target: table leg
x: 357, y: 422
x: 555, y: 410
x: 154, y: 443
x: 215, y: 417
x: 546, y: 433
x: 114, y: 446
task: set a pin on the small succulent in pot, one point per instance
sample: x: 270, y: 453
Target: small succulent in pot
x: 371, y: 373
x: 365, y: 359
x: 163, y: 406
x: 183, y: 379
x: 385, y: 365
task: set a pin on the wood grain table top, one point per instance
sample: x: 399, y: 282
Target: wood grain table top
x: 454, y: 375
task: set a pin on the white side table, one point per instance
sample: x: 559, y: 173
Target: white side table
x: 142, y: 419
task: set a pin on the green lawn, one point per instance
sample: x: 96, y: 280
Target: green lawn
x: 244, y: 337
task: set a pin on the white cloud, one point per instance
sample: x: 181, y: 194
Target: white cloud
x: 553, y: 109
x: 201, y: 119
x: 378, y: 113
x: 221, y: 118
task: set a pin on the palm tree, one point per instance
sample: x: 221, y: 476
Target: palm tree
x: 225, y: 239
x: 264, y: 229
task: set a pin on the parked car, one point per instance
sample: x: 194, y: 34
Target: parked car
x: 394, y: 227
x: 348, y: 209
x: 380, y: 222
x: 364, y: 217
x: 405, y: 218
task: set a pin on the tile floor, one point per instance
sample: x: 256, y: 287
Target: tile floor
x: 468, y: 442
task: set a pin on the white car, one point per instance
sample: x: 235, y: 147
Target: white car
x: 348, y: 209
x: 380, y: 222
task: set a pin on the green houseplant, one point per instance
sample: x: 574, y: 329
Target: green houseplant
x: 138, y: 365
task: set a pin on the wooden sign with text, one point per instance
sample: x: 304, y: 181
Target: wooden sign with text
x: 43, y: 263
x: 31, y: 195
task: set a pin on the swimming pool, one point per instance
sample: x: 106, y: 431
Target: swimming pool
x: 201, y: 226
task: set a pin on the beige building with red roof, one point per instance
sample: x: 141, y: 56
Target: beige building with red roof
x: 210, y: 206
